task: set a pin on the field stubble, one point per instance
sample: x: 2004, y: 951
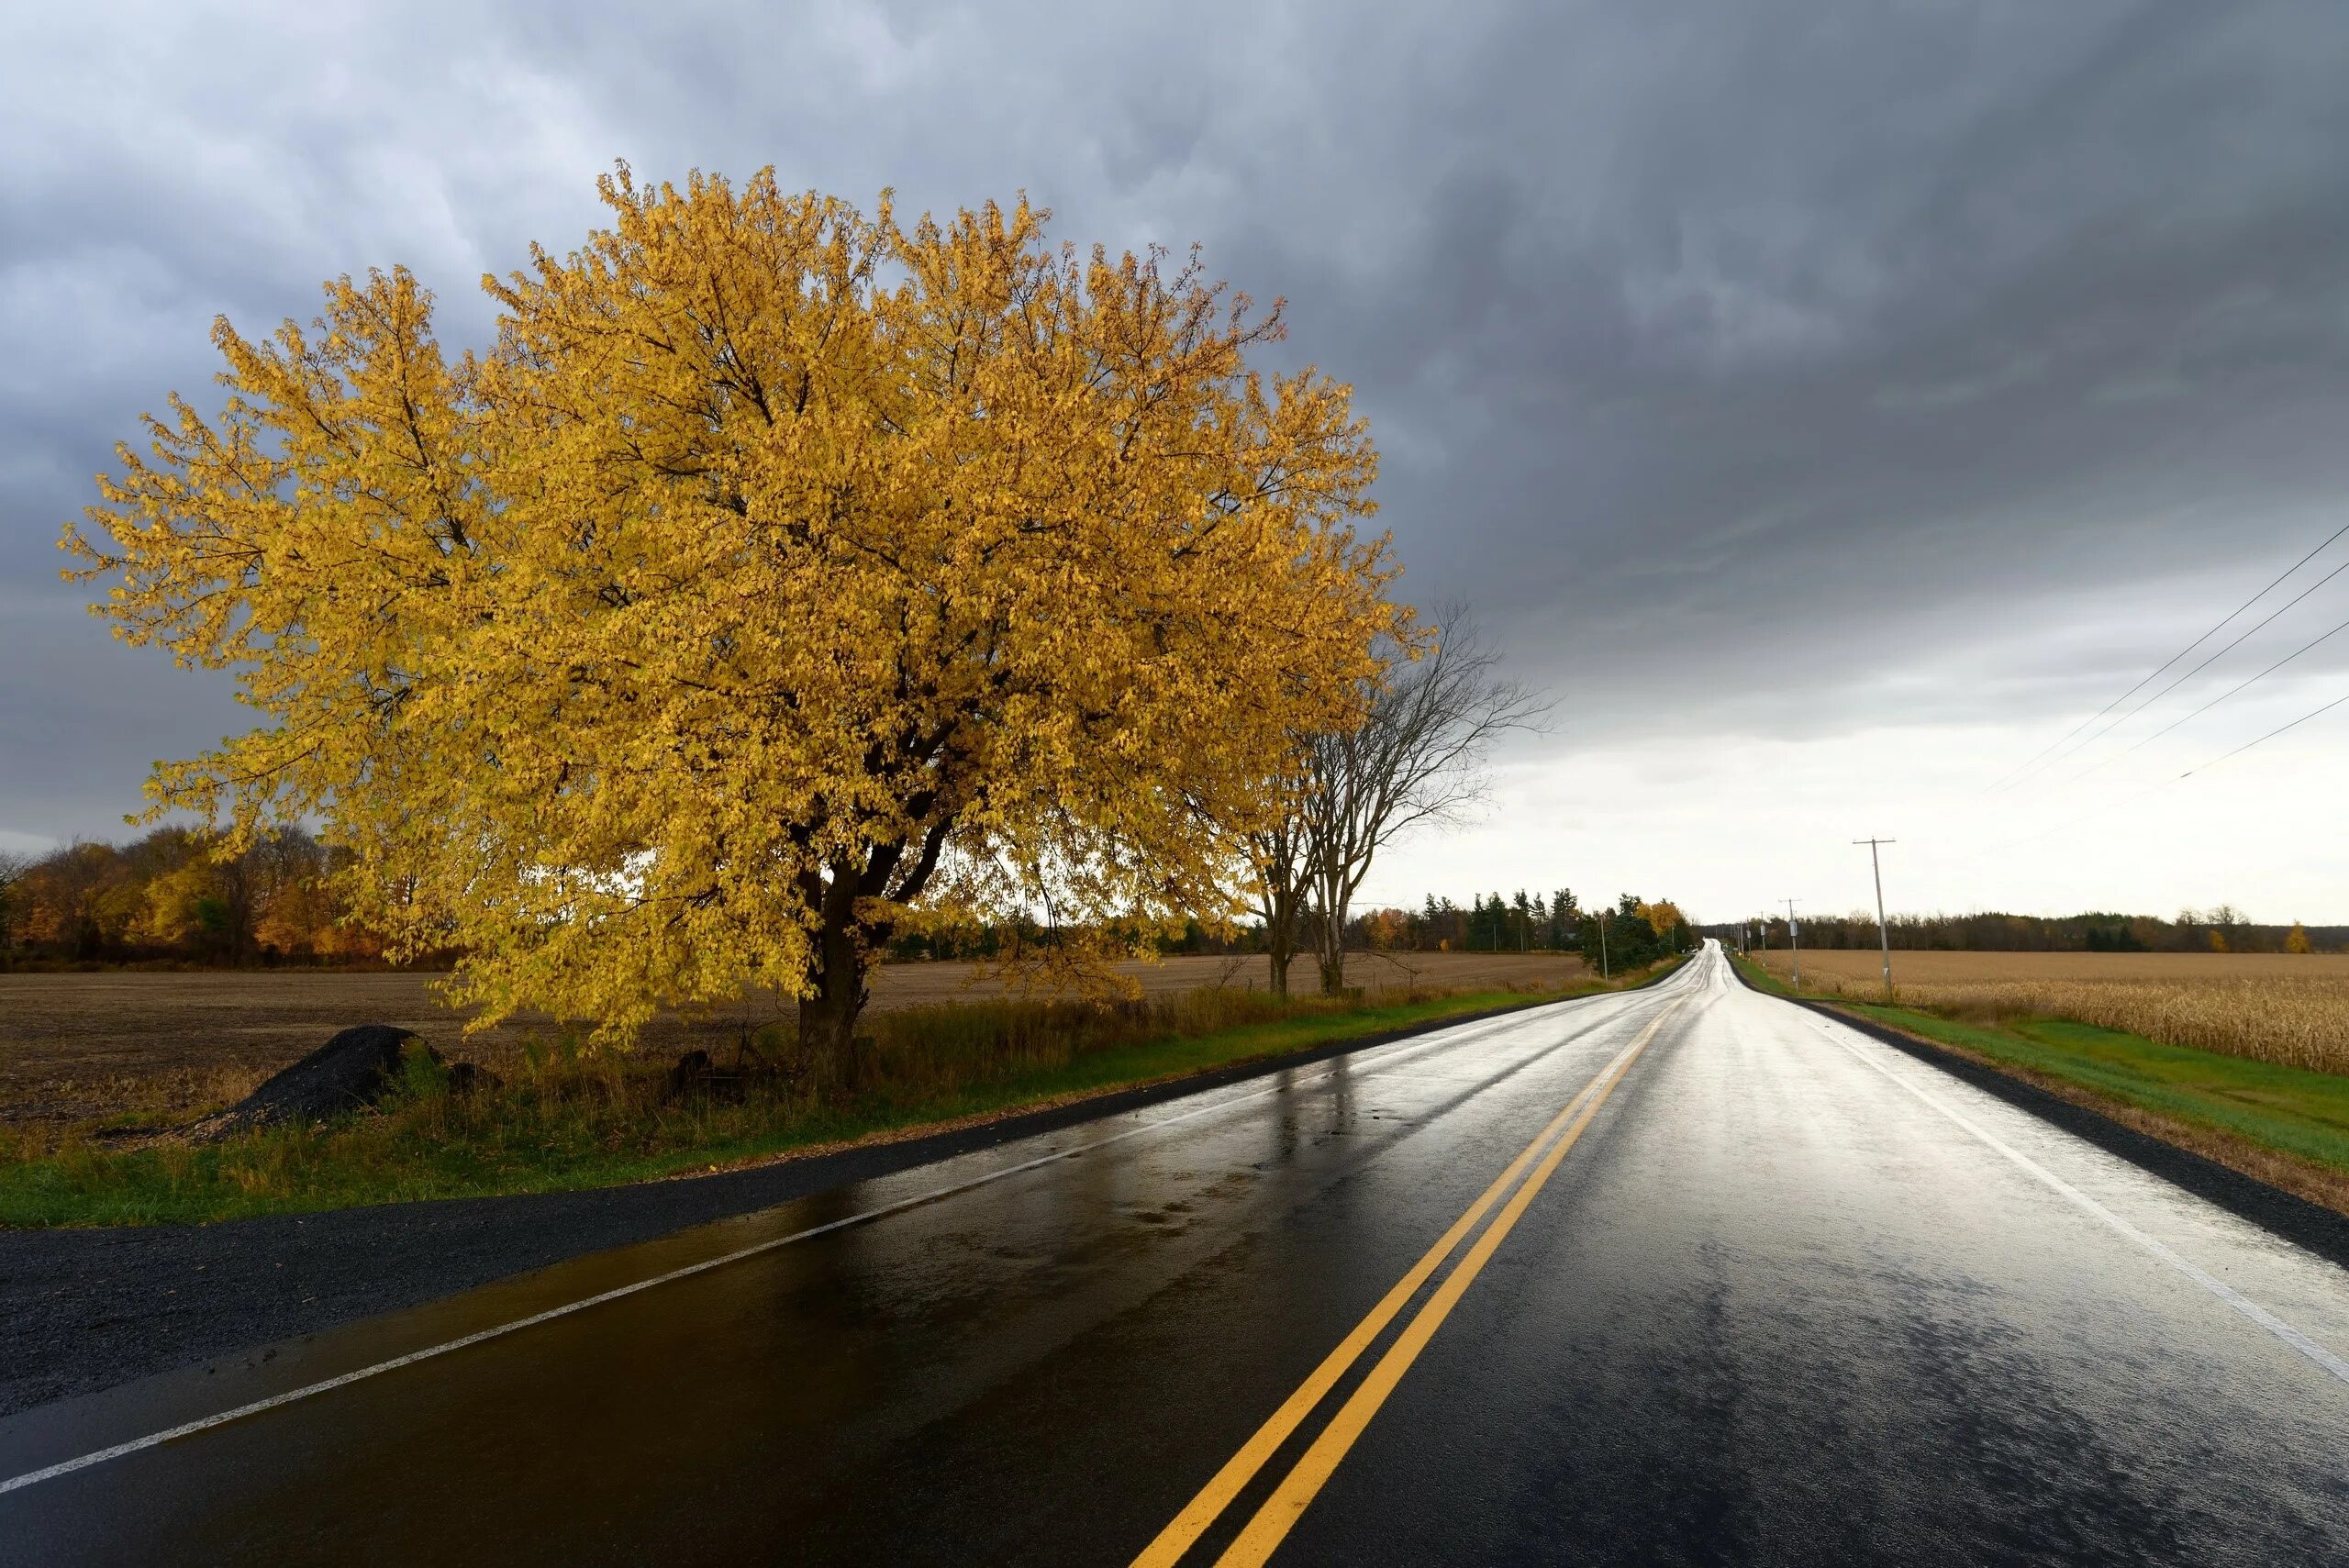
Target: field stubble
x: 2288, y: 1008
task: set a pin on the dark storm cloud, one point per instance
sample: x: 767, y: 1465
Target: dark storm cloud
x: 1725, y: 354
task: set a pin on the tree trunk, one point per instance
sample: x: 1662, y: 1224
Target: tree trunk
x: 1280, y: 940
x: 827, y: 1032
x: 1329, y: 952
x: 837, y: 977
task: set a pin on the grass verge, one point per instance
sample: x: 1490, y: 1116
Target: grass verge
x: 2286, y: 1125
x: 560, y: 1122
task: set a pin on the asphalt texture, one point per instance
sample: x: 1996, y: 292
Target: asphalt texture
x: 1764, y: 1289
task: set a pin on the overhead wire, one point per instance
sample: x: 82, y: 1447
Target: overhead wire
x: 2313, y: 713
x: 2030, y: 765
x: 2106, y: 808
x: 2044, y: 754
x: 2240, y: 640
x: 2231, y: 690
x: 2222, y: 696
x: 2163, y: 782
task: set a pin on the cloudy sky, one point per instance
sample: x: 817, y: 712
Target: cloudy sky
x: 1832, y: 403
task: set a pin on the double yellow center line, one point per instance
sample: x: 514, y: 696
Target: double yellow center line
x: 1280, y: 1512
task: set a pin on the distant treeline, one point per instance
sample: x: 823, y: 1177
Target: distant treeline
x: 2221, y: 929
x: 168, y: 897
x: 1638, y: 931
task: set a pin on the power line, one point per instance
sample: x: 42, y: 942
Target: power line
x: 2019, y: 773
x: 2172, y: 659
x: 2271, y: 735
x: 2207, y: 707
x: 2106, y: 808
x: 2206, y: 663
x: 2222, y: 653
x: 2231, y: 690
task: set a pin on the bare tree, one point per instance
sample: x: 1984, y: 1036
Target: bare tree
x: 1418, y: 757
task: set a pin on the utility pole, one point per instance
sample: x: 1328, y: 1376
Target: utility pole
x: 1794, y: 941
x: 1883, y: 932
x: 1603, y: 971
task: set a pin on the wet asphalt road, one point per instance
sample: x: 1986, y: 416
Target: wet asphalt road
x: 1785, y: 1295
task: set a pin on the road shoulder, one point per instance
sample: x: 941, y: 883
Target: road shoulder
x: 2121, y: 1131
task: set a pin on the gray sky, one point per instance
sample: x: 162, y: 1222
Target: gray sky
x: 1833, y: 403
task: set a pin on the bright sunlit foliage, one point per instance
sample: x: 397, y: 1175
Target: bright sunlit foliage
x: 780, y: 573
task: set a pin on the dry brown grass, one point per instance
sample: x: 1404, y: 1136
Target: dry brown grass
x: 2283, y: 1007
x: 74, y: 1046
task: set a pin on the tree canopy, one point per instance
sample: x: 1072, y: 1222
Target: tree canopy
x: 780, y: 573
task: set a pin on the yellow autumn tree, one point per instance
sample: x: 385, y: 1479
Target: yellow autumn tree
x: 781, y: 576
x: 2297, y: 940
x: 1664, y: 917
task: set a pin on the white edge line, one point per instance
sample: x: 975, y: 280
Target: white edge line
x: 2159, y: 1249
x: 189, y: 1429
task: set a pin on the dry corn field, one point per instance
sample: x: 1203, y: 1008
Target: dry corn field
x: 2281, y: 1007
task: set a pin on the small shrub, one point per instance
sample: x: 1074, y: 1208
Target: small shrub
x: 422, y: 1075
